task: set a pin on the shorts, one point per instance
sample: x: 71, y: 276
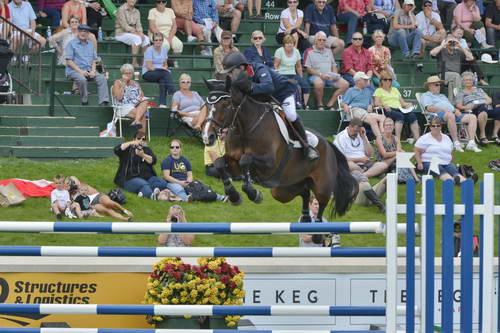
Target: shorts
x: 450, y: 169
x: 441, y: 114
x: 124, y: 110
x: 96, y: 199
x: 359, y: 113
x: 328, y: 83
x: 133, y: 39
x: 330, y: 40
x: 366, y: 166
x: 492, y: 113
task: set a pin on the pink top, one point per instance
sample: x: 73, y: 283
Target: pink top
x: 357, y: 5
x: 359, y: 62
x: 380, y: 57
x: 464, y: 16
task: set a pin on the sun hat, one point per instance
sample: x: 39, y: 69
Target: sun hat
x: 486, y: 57
x: 432, y: 79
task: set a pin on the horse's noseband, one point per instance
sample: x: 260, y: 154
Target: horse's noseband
x: 215, y: 96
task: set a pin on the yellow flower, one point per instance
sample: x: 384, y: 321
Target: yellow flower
x: 175, y: 301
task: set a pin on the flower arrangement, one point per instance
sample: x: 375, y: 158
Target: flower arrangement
x: 212, y: 282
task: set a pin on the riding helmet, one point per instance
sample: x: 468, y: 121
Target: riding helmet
x: 233, y: 60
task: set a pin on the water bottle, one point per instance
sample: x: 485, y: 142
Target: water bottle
x: 99, y: 34
x: 49, y: 32
x: 365, y: 30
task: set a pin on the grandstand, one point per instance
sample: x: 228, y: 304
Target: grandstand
x: 32, y: 129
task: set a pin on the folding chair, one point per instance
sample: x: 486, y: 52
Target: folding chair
x: 175, y: 123
x: 463, y: 136
x: 117, y: 117
x: 344, y: 117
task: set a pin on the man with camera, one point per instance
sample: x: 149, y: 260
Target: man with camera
x: 451, y: 55
x: 317, y: 240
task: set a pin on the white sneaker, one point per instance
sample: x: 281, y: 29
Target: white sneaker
x: 191, y: 39
x: 154, y: 196
x: 472, y: 146
x: 458, y: 146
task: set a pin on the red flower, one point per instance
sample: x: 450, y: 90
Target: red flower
x: 232, y: 285
x: 225, y: 267
x: 218, y: 271
x: 225, y: 279
x: 177, y: 276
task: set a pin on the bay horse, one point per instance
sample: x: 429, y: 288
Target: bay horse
x: 255, y: 150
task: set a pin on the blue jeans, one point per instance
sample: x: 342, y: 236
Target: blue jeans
x: 54, y: 15
x: 164, y: 79
x: 403, y: 39
x: 178, y: 190
x: 352, y: 23
x: 146, y: 187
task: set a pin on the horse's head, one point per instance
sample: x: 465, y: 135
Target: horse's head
x: 219, y: 109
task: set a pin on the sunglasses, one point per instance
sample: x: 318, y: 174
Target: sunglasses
x: 428, y: 5
x: 143, y: 138
x: 185, y: 81
x: 437, y: 84
x: 258, y: 37
x: 436, y: 125
x: 175, y: 147
x: 158, y: 40
x: 386, y: 79
x: 161, y: 1
x: 321, y: 39
x: 292, y: 2
x: 321, y: 1
x: 226, y: 38
x: 357, y: 39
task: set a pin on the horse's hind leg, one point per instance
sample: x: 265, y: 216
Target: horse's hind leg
x: 229, y: 190
x: 305, y: 217
x: 252, y: 193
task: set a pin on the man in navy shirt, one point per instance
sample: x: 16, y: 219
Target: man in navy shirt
x: 321, y: 17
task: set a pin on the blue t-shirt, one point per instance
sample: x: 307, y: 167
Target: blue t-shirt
x: 178, y: 167
x: 319, y: 21
x: 358, y: 98
x: 437, y: 100
x: 158, y: 59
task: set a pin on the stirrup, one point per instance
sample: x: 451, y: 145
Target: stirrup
x: 311, y: 153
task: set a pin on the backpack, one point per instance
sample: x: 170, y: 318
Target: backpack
x: 117, y: 195
x: 200, y: 192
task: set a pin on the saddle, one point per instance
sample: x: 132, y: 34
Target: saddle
x: 287, y: 131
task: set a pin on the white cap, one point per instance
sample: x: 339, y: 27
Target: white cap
x: 360, y: 75
x: 409, y: 2
x: 486, y: 57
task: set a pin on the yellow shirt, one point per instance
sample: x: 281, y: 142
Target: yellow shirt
x: 163, y: 20
x: 391, y: 98
x: 217, y: 147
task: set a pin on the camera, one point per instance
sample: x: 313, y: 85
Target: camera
x: 174, y: 219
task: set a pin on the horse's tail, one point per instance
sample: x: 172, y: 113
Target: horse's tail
x: 346, y: 187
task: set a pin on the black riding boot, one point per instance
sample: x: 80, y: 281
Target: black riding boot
x: 374, y: 199
x: 311, y: 153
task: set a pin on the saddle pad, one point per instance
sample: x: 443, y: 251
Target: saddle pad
x: 312, y: 139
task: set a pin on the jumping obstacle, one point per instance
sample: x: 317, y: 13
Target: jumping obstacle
x: 120, y: 330
x: 427, y: 209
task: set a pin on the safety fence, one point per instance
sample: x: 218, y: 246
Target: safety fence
x: 424, y: 255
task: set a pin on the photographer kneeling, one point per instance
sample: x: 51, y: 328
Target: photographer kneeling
x: 175, y: 215
x: 136, y: 173
x: 317, y: 240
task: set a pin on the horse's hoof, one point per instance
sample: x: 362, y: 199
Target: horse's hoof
x: 237, y: 201
x: 258, y: 197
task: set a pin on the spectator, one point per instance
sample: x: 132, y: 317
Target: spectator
x: 225, y: 47
x: 433, y: 101
x: 23, y: 16
x: 475, y: 100
x: 469, y: 65
x: 81, y: 60
x: 467, y: 16
x: 162, y: 20
x: 380, y: 18
x: 381, y: 59
x: 230, y: 9
x: 317, y: 240
x: 51, y: 9
x: 287, y: 61
x: 60, y: 40
x: 81, y: 206
x: 446, y: 9
x: 395, y: 106
x: 59, y: 197
x: 5, y: 13
x: 95, y: 13
x: 354, y: 144
x: 177, y: 171
x: 258, y: 53
x: 206, y: 16
x: 436, y: 144
x: 352, y: 12
x: 368, y: 194
x: 155, y: 68
x: 189, y: 104
x: 136, y: 173
x: 183, y: 10
x: 129, y: 96
x: 176, y: 215
x: 321, y: 17
x: 258, y: 5
x: 451, y: 56
x: 128, y: 29
x: 212, y: 153
x: 356, y: 59
x: 323, y: 72
x: 388, y: 145
x: 101, y: 202
x: 430, y: 26
x: 358, y: 102
x: 404, y: 32
x: 73, y: 7
x: 291, y: 20
x: 492, y: 22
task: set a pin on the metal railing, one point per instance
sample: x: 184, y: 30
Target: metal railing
x: 26, y: 65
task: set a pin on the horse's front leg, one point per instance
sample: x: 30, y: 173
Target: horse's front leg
x: 305, y: 216
x: 253, y: 194
x: 229, y: 190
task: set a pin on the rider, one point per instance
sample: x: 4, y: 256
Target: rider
x: 267, y: 81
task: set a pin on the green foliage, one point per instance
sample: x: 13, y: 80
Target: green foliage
x: 100, y: 174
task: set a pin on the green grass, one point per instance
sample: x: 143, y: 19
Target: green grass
x: 100, y: 174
